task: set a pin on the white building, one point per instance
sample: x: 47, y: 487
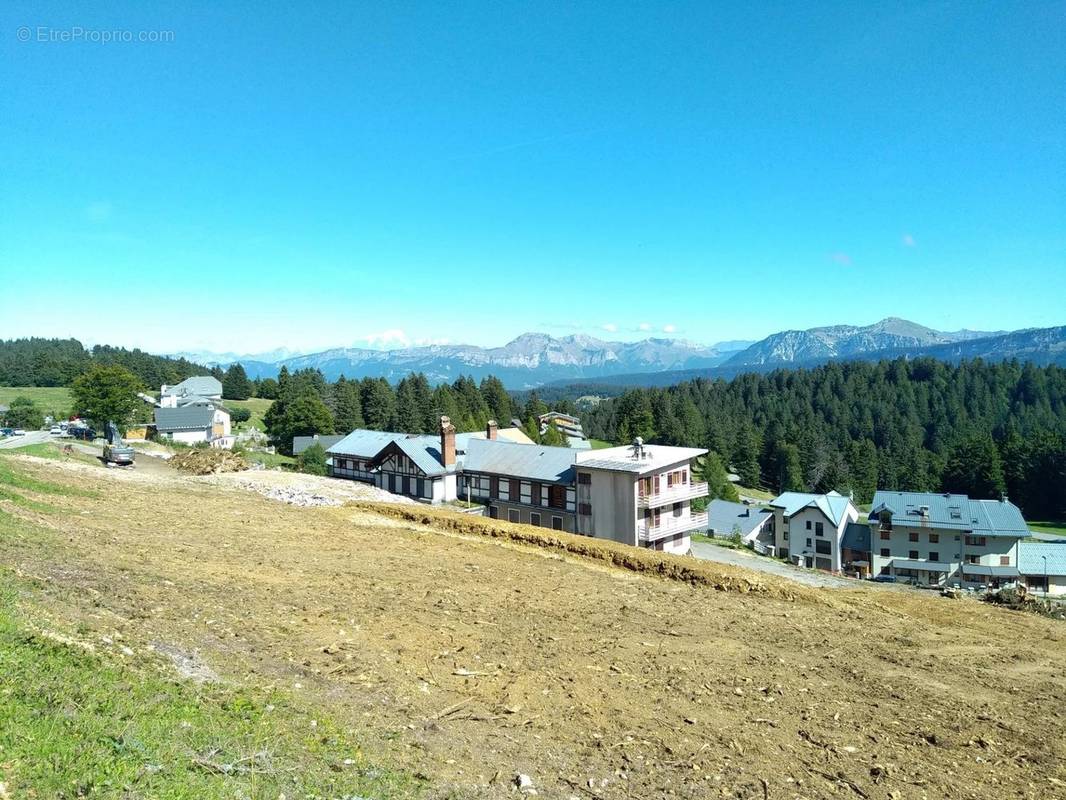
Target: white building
x: 204, y: 387
x: 936, y: 539
x: 809, y: 529
x: 1043, y: 567
x: 640, y: 495
x: 195, y: 423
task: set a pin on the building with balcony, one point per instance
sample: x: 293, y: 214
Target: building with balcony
x: 809, y: 528
x: 640, y: 495
x: 937, y: 539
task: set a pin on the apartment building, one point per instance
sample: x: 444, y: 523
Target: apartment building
x: 640, y: 495
x: 809, y: 529
x: 937, y: 539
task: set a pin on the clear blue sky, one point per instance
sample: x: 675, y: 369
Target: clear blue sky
x: 470, y: 171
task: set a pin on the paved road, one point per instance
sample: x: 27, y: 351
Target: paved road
x: 31, y: 437
x: 748, y: 560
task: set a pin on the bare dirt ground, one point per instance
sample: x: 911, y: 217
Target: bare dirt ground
x: 469, y: 657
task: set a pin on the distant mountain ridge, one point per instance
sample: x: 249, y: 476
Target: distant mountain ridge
x: 535, y: 359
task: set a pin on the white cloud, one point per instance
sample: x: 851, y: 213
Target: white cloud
x: 908, y: 240
x: 393, y: 337
x: 610, y: 327
x: 98, y: 211
x: 430, y: 341
x: 669, y: 329
x: 644, y: 326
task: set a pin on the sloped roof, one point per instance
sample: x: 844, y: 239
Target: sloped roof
x: 723, y: 515
x: 301, y: 443
x: 1031, y: 558
x: 507, y: 434
x: 833, y: 505
x: 953, y: 511
x: 363, y: 443
x: 203, y: 385
x: 535, y: 462
x: 186, y: 418
x: 425, y: 452
x: 856, y: 536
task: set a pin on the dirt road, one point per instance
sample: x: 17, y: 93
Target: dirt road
x: 748, y: 560
x: 470, y: 660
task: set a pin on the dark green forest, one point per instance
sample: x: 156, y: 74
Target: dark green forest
x: 57, y: 362
x: 921, y: 425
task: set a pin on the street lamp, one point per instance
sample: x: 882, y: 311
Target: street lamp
x: 1046, y: 587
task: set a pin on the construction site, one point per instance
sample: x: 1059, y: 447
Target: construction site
x: 489, y: 660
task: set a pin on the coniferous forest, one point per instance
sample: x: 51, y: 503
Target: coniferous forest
x: 921, y: 425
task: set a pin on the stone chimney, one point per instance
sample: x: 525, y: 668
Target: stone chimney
x: 490, y: 431
x: 447, y: 442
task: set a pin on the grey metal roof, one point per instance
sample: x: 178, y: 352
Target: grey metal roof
x: 929, y: 566
x: 363, y: 443
x: 203, y: 385
x: 856, y: 536
x: 301, y: 443
x: 953, y: 511
x: 1031, y: 557
x: 425, y: 452
x: 186, y: 418
x: 834, y: 505
x: 723, y: 515
x: 993, y: 570
x: 532, y: 461
x: 196, y: 400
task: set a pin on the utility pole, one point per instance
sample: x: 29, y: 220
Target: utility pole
x: 1046, y: 587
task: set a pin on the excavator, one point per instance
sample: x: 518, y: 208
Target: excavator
x: 116, y: 454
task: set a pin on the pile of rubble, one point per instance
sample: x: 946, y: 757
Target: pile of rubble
x: 208, y: 462
x: 296, y: 497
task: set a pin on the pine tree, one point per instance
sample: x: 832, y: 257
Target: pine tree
x: 235, y: 384
x: 974, y: 467
x: 347, y: 407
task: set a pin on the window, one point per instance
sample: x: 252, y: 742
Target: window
x: 494, y: 513
x: 534, y: 519
x: 677, y: 509
x: 584, y: 478
x: 823, y: 546
x: 819, y: 529
x: 934, y: 556
x: 885, y: 552
x: 808, y: 542
x: 1004, y: 561
x: 557, y: 523
x: 557, y: 496
x: 513, y: 515
x: 976, y: 541
x: 913, y: 536
x: 584, y: 509
x: 912, y: 554
x: 934, y: 538
x: 972, y: 559
x: 886, y: 535
x: 808, y: 524
x: 785, y: 534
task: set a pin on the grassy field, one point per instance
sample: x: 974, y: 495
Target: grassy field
x: 1049, y: 527
x: 465, y: 650
x: 599, y: 444
x: 54, y: 400
x: 758, y: 494
x: 256, y: 405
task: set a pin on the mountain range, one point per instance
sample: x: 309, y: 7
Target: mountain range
x: 534, y: 359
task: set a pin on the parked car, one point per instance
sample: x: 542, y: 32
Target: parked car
x: 884, y: 578
x: 7, y: 431
x: 55, y: 430
x: 18, y: 432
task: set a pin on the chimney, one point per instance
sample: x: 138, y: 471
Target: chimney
x: 490, y: 431
x: 447, y: 442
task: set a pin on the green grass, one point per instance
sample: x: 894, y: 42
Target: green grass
x: 726, y: 543
x: 14, y: 483
x: 270, y: 460
x: 49, y: 399
x: 599, y: 444
x: 1049, y: 527
x: 758, y: 494
x: 54, y: 451
x: 256, y: 405
x: 78, y: 723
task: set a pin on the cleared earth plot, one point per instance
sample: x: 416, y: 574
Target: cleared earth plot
x: 409, y: 653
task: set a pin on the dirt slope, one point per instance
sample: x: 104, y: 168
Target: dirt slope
x: 472, y: 658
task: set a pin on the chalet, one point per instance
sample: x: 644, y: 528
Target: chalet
x: 1043, y: 567
x: 934, y: 539
x: 198, y: 387
x: 528, y: 483
x: 419, y: 466
x: 809, y: 528
x: 754, y: 525
x: 194, y: 424
x: 640, y: 495
x: 301, y: 443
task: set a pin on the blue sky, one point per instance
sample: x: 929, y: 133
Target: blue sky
x: 470, y: 171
